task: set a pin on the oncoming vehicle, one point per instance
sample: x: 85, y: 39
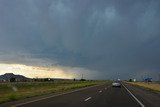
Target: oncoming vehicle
x: 116, y: 84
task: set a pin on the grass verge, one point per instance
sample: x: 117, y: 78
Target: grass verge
x: 154, y: 87
x: 16, y: 91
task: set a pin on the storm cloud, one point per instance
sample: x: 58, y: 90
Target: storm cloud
x: 114, y: 38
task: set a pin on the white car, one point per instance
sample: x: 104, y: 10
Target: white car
x: 116, y: 84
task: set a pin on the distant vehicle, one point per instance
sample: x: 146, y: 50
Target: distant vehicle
x: 116, y: 84
x: 119, y: 79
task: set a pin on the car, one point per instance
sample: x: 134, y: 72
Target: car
x: 116, y: 84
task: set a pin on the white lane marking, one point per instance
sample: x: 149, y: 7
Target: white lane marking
x: 87, y: 98
x: 133, y: 96
x: 32, y: 101
x: 100, y: 91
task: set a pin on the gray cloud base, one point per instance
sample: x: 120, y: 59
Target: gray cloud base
x: 112, y: 37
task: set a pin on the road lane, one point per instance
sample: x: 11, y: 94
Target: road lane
x: 68, y: 100
x: 101, y: 96
x: 113, y: 97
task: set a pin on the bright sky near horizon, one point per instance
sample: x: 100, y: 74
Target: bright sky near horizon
x: 34, y: 72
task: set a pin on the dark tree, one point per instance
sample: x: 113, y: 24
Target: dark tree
x: 12, y: 79
x: 130, y: 80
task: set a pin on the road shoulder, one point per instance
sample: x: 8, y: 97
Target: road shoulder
x: 148, y: 98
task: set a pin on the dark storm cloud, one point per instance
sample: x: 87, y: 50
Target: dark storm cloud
x: 116, y: 38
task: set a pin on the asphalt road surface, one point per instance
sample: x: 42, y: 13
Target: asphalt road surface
x: 98, y: 96
x: 101, y: 96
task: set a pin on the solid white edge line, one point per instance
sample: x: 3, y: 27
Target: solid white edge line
x: 20, y: 104
x: 87, y: 98
x: 133, y: 96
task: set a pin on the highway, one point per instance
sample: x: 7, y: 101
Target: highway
x: 101, y: 96
x: 97, y: 96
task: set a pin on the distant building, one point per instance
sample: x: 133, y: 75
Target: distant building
x: 134, y: 80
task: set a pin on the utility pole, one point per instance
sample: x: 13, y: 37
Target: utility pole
x: 82, y: 76
x: 159, y: 77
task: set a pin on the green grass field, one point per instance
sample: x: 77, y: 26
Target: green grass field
x: 15, y: 91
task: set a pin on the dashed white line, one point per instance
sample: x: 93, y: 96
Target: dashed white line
x: 100, y: 91
x: 87, y: 98
x: 140, y: 103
